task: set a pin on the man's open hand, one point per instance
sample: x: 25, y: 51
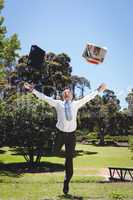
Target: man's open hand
x: 29, y: 87
x: 102, y: 87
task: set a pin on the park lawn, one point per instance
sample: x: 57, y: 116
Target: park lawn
x: 86, y: 183
x: 100, y: 157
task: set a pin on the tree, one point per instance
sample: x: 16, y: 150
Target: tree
x: 129, y: 100
x: 82, y: 84
x: 51, y: 78
x: 11, y: 45
x: 8, y: 46
x: 109, y: 107
x: 79, y: 82
x: 33, y: 123
x: 8, y: 51
x: 100, y: 114
x: 130, y: 141
x: 60, y: 71
x: 88, y: 115
x: 2, y: 37
x: 2, y: 32
x: 2, y: 123
x: 74, y: 82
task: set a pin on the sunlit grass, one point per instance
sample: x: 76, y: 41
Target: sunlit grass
x: 87, y: 184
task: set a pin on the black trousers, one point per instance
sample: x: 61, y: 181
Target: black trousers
x: 69, y: 140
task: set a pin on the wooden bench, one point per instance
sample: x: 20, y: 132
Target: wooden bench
x: 122, y: 174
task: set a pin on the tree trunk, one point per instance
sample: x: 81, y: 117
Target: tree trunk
x: 73, y: 90
x: 31, y: 156
x: 101, y: 137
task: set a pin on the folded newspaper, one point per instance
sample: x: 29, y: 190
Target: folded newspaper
x: 94, y: 54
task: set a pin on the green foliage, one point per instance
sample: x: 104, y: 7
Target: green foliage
x: 85, y: 136
x: 51, y: 78
x: 2, y: 126
x: 92, y: 135
x: 10, y: 46
x: 129, y: 100
x: 8, y: 50
x: 29, y: 126
x: 101, y: 114
x: 118, y: 138
x: 2, y: 39
x: 5, y: 122
x: 1, y: 4
x: 81, y: 83
x: 130, y: 142
x: 115, y: 195
x: 33, y: 123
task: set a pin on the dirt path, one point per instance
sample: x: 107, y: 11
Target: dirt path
x: 88, y: 171
x: 92, y: 171
x: 104, y: 172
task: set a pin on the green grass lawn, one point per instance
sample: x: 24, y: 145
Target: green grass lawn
x: 87, y: 182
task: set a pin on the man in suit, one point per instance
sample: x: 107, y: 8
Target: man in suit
x: 66, y: 123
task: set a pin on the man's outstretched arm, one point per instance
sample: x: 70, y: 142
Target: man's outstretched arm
x: 90, y: 96
x: 40, y: 95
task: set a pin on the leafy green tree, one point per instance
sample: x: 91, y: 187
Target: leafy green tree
x: 33, y: 123
x: 79, y: 82
x: 130, y: 142
x: 129, y: 100
x: 8, y: 46
x: 83, y: 82
x: 1, y: 4
x: 2, y: 126
x: 108, y: 111
x: 51, y: 78
x: 2, y: 37
x: 100, y: 114
x: 88, y: 114
x: 129, y: 112
x: 8, y: 50
x: 2, y: 33
x: 11, y: 45
x: 74, y: 81
x: 6, y: 123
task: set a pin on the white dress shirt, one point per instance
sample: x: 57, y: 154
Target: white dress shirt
x: 62, y: 123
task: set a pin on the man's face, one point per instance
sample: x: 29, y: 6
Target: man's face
x: 67, y: 95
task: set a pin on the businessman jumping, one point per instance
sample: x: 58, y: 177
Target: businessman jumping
x: 66, y: 123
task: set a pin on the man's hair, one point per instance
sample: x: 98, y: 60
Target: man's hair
x: 67, y: 88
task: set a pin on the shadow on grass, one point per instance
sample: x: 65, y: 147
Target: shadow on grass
x: 61, y: 154
x: 2, y: 151
x: 17, y: 169
x: 69, y: 196
x: 77, y: 153
x: 115, y: 180
x: 112, y: 144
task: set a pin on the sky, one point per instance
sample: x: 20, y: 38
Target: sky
x: 66, y: 26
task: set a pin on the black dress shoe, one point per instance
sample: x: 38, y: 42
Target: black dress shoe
x: 65, y: 188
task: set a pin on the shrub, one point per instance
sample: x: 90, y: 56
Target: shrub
x: 130, y: 142
x: 118, y: 138
x: 84, y: 136
x: 108, y: 138
x: 117, y: 196
x: 92, y: 136
x: 33, y: 123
